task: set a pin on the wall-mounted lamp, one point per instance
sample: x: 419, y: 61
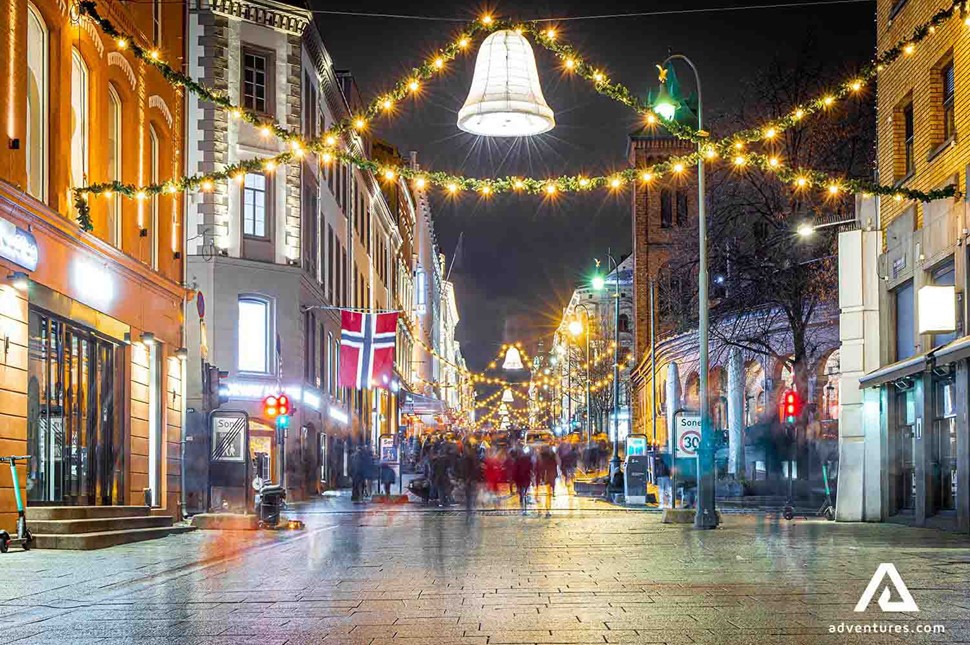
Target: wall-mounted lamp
x: 18, y: 280
x: 147, y: 338
x: 182, y: 354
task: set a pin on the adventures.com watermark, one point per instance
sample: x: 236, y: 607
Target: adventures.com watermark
x: 905, y: 603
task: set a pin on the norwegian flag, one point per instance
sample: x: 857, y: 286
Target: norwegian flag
x: 367, y: 344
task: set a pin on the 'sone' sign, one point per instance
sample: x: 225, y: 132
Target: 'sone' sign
x: 688, y: 435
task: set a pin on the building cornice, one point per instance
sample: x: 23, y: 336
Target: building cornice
x: 267, y: 13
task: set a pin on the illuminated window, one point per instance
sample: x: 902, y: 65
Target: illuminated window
x: 420, y: 290
x: 153, y: 151
x: 114, y: 164
x: 79, y: 120
x: 37, y: 103
x: 254, y: 330
x: 949, y: 95
x: 254, y: 205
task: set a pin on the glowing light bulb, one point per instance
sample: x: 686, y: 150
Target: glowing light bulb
x: 774, y: 162
x: 170, y: 189
x: 740, y: 160
x: 107, y: 194
x: 898, y: 197
x: 828, y: 100
x: 265, y: 131
x: 330, y: 140
x: 269, y: 166
x: 710, y: 153
x: 584, y: 182
x: 141, y: 195
x: 646, y: 176
x: 801, y: 182
x: 739, y: 146
x: 856, y: 86
x: 414, y: 86
x: 295, y: 145
x: 833, y: 189
x: 487, y: 19
x: 326, y: 157
x: 420, y: 182
x: 651, y: 118
x: 909, y: 49
x: 154, y: 54
x: 122, y: 43
x: 387, y: 104
x: 360, y: 123
x: 452, y: 188
x: 616, y: 182
x: 206, y: 185
x: 389, y: 174
x: 551, y: 34
x: 770, y: 133
x: 598, y: 77
x: 799, y: 113
x: 239, y: 177
x: 439, y: 63
x: 486, y: 190
x: 518, y: 184
x: 550, y: 189
x: 236, y: 113
x: 570, y: 63
x: 678, y: 167
x: 463, y: 43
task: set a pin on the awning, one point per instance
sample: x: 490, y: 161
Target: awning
x: 894, y: 371
x: 954, y: 351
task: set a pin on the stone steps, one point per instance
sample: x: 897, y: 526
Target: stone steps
x: 104, y: 539
x: 84, y: 512
x: 96, y: 527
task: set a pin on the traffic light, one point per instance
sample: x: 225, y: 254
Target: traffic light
x: 223, y: 387
x: 215, y: 386
x: 792, y: 406
x: 276, y: 406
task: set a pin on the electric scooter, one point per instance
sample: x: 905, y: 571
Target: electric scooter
x: 827, y: 509
x: 24, y: 538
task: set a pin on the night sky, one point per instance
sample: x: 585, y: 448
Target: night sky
x: 521, y: 256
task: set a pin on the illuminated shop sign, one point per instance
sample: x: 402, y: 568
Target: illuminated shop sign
x: 18, y: 245
x: 257, y: 391
x: 93, y: 283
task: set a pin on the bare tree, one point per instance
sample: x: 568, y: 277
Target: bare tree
x: 759, y: 265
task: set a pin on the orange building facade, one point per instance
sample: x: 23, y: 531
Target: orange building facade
x: 91, y: 386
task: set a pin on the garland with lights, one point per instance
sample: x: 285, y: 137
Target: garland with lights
x: 325, y: 145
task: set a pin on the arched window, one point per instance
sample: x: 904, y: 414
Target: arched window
x: 114, y: 164
x: 253, y: 328
x: 80, y: 120
x: 153, y: 204
x: 37, y: 103
x: 624, y: 323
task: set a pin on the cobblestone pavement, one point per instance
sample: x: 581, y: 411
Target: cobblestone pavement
x: 589, y: 574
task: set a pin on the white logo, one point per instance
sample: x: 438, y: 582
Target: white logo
x: 906, y: 602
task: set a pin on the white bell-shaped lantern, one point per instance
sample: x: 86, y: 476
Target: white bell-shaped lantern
x: 505, y: 99
x: 507, y: 396
x: 513, y: 359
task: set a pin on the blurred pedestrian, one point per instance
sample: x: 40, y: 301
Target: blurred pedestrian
x: 357, y: 475
x: 547, y: 471
x: 493, y: 473
x: 567, y: 458
x: 387, y: 478
x: 522, y: 476
x: 440, y: 477
x: 471, y: 473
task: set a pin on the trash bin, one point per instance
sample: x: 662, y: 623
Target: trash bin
x: 269, y: 503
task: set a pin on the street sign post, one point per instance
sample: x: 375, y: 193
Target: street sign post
x: 685, y: 441
x: 229, y: 459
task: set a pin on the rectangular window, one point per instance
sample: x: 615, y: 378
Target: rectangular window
x: 254, y: 330
x: 905, y: 324
x: 114, y: 164
x: 331, y: 351
x: 681, y: 208
x: 79, y: 120
x: 309, y: 353
x: 949, y: 94
x: 153, y: 174
x: 256, y: 88
x: 254, y: 205
x: 908, y: 139
x: 666, y: 209
x: 157, y: 22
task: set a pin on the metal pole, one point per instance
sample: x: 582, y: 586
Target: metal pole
x: 589, y: 400
x: 705, y: 517
x: 615, y: 461
x: 653, y: 363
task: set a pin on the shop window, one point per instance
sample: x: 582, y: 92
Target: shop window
x: 79, y: 120
x: 253, y: 350
x: 903, y: 451
x: 944, y: 445
x: 114, y: 164
x: 38, y: 103
x: 666, y: 209
x: 255, y: 203
x: 257, y: 86
x: 904, y: 319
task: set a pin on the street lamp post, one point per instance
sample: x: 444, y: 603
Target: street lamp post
x: 705, y: 517
x: 589, y: 400
x: 599, y: 283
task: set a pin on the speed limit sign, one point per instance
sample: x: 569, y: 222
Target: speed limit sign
x: 688, y: 435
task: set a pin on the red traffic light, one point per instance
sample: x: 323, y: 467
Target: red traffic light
x: 791, y: 405
x: 276, y: 405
